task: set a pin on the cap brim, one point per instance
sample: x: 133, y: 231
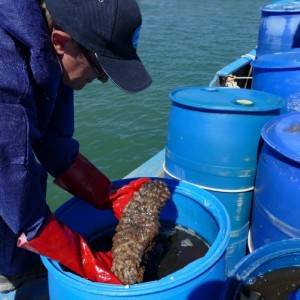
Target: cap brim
x: 129, y: 75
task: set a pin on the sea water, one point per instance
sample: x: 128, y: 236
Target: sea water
x: 182, y: 43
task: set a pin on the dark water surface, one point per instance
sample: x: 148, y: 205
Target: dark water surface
x: 275, y: 285
x: 175, y: 247
x: 182, y: 43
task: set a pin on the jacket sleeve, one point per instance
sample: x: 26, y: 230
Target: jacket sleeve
x: 22, y: 179
x: 26, y: 26
x: 57, y: 149
x: 36, y: 119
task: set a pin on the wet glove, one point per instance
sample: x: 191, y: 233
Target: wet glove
x: 59, y: 243
x: 56, y: 241
x: 123, y: 195
x: 85, y: 181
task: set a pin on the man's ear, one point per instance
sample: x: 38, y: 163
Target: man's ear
x: 60, y: 39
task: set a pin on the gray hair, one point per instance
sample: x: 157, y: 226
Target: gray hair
x: 48, y: 18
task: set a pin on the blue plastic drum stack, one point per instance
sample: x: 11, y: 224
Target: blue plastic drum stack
x: 277, y: 66
x: 276, y: 205
x: 212, y: 141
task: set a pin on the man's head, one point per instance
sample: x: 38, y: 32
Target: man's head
x: 106, y: 33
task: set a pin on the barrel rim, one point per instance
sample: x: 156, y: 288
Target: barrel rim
x: 288, y: 7
x: 242, y: 273
x: 268, y: 136
x: 268, y: 102
x: 278, y: 60
x: 209, y: 188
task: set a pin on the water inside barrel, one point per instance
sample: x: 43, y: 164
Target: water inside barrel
x: 273, y: 285
x: 175, y: 248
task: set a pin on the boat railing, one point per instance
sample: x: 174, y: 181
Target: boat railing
x: 237, y: 74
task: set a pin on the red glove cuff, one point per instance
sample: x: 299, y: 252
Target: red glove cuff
x: 59, y: 243
x: 124, y: 194
x: 83, y: 180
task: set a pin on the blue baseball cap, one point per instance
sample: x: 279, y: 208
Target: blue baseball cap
x: 110, y: 29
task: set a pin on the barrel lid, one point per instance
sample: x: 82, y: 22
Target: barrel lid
x: 226, y: 99
x: 286, y: 6
x: 283, y: 135
x: 278, y: 60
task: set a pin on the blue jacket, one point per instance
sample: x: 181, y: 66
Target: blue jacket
x: 36, y: 128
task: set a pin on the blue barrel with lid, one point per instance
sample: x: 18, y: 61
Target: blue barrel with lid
x: 279, y: 73
x: 276, y: 205
x: 279, y: 27
x: 213, y: 135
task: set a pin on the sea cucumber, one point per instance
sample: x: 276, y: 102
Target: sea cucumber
x: 137, y: 228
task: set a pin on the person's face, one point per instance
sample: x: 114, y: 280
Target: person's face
x: 78, y: 68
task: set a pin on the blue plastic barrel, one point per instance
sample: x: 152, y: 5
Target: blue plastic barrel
x: 212, y: 141
x: 213, y: 135
x: 279, y: 73
x: 190, y: 207
x: 279, y: 27
x: 276, y: 205
x: 238, y: 206
x: 271, y: 257
x: 237, y: 247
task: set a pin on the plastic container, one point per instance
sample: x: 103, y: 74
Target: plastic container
x: 212, y: 141
x: 275, y: 213
x: 271, y: 257
x: 237, y: 247
x: 213, y: 135
x: 279, y: 73
x: 189, y: 206
x: 238, y: 206
x: 279, y: 27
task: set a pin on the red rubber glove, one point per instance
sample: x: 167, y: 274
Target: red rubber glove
x: 85, y: 181
x: 124, y: 194
x: 56, y: 241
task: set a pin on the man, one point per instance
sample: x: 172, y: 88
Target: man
x: 40, y: 66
